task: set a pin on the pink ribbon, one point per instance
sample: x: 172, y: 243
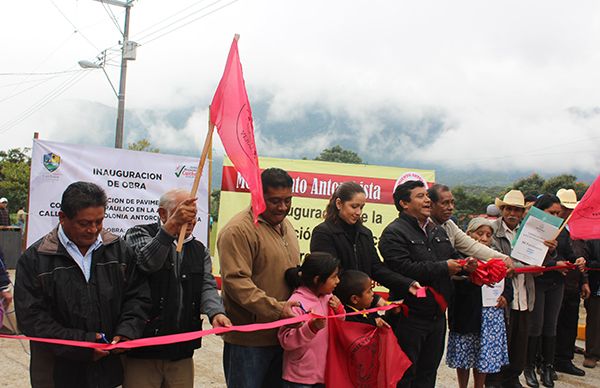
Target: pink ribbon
x: 183, y: 337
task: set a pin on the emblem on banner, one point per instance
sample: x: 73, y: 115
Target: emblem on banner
x: 183, y: 171
x: 51, y: 161
x: 410, y: 176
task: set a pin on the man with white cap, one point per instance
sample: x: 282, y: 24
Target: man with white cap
x: 512, y: 208
x: 576, y: 287
x: 4, y: 219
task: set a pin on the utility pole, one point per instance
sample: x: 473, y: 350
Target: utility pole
x: 127, y: 53
x: 122, y: 82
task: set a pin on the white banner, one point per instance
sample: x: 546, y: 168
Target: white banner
x: 133, y: 181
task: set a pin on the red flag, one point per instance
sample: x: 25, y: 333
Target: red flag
x: 364, y: 356
x: 584, y: 223
x: 230, y: 112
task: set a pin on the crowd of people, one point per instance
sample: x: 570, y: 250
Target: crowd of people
x: 81, y: 282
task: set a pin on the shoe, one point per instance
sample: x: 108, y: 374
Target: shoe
x: 569, y: 369
x: 530, y: 378
x: 590, y: 362
x: 578, y: 349
x: 546, y: 376
x: 548, y: 355
x: 513, y: 383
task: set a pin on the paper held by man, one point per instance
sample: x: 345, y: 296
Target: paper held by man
x: 537, y: 227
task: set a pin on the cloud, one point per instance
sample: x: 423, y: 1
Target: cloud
x: 467, y: 84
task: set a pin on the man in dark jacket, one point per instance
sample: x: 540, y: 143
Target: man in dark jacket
x: 415, y: 247
x: 79, y: 282
x: 576, y: 287
x: 182, y: 287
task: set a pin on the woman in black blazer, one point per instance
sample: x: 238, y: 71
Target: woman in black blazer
x: 343, y: 235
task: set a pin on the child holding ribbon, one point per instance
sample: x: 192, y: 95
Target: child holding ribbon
x: 477, y: 338
x: 355, y: 292
x: 305, y: 347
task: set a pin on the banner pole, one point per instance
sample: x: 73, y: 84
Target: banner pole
x: 564, y: 224
x: 207, y: 143
x: 210, y: 175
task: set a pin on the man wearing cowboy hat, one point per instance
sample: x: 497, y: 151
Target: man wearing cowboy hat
x: 576, y: 287
x: 512, y: 209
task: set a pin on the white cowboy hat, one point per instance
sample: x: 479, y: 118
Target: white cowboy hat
x: 512, y: 198
x: 568, y: 198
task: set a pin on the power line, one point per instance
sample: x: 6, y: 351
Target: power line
x: 43, y: 73
x: 52, y: 95
x: 43, y: 81
x: 191, y: 21
x: 74, y: 26
x: 117, y: 53
x: 171, y: 16
x: 531, y: 153
x: 26, y: 82
x: 111, y: 16
x: 54, y: 51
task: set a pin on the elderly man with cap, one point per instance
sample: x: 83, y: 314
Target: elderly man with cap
x: 512, y: 208
x: 4, y: 218
x: 576, y: 287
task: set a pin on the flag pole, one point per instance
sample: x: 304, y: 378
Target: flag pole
x: 564, y: 224
x: 207, y: 143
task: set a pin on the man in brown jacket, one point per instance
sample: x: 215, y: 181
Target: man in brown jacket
x: 253, y: 261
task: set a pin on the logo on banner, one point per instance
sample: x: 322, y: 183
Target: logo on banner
x: 410, y: 176
x: 51, y: 161
x: 183, y: 171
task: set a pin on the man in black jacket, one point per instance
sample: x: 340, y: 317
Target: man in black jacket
x: 182, y: 287
x: 576, y: 288
x: 415, y: 247
x: 79, y: 282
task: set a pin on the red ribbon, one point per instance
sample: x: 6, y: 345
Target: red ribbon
x: 538, y: 269
x: 183, y: 337
x: 439, y: 298
x: 487, y: 272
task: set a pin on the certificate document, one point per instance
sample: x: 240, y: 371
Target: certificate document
x: 536, y: 228
x: 490, y: 294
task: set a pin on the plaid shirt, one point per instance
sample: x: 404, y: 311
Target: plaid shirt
x: 4, y: 219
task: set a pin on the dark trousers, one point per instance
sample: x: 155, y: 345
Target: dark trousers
x: 548, y: 301
x: 568, y: 321
x: 423, y: 342
x: 517, y: 337
x: 252, y: 367
x: 592, y: 327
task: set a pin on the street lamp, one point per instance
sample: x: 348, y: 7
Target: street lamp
x: 127, y: 53
x: 85, y: 64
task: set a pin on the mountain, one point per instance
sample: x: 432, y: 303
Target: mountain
x: 387, y: 137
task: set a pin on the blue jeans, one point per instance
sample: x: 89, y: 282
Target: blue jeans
x: 252, y: 366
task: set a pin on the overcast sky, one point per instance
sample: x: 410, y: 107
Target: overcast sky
x: 515, y: 83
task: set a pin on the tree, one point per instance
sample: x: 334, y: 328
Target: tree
x: 14, y: 177
x: 531, y: 185
x: 564, y: 181
x: 340, y: 155
x: 471, y: 201
x: 142, y: 145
